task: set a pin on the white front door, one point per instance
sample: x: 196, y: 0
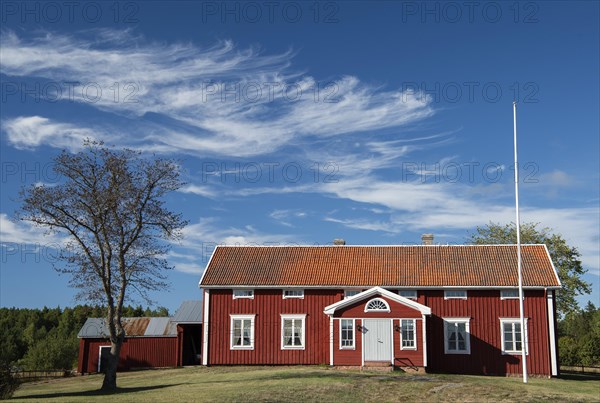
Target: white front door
x: 377, y: 334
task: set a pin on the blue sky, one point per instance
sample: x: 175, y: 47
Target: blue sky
x: 301, y: 122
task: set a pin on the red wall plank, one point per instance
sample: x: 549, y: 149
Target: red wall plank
x: 141, y: 352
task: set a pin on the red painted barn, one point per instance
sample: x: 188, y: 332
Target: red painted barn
x: 149, y: 342
x: 448, y: 309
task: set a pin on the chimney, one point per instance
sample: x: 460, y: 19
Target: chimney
x: 427, y: 239
x: 339, y: 242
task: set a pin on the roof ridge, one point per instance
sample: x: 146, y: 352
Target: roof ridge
x: 376, y: 246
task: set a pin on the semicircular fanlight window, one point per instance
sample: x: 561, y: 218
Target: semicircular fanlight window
x: 377, y: 304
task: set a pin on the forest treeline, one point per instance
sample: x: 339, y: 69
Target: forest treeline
x: 40, y: 339
x: 579, y: 337
x: 43, y: 339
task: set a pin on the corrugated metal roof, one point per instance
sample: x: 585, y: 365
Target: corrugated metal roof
x: 158, y: 327
x: 188, y: 312
x: 134, y: 327
x: 368, y: 266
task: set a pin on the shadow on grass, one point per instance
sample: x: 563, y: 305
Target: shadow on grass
x: 332, y: 375
x: 95, y: 392
x: 578, y: 376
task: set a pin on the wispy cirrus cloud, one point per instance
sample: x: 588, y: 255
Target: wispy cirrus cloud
x: 216, y: 100
x: 191, y: 254
x: 417, y: 206
x: 33, y: 131
x: 285, y: 216
x: 26, y: 233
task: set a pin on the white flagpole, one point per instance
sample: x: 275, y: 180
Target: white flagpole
x: 519, y: 262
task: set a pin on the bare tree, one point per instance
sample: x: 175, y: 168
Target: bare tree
x: 110, y: 204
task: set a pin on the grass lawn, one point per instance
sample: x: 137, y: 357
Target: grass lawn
x: 308, y: 384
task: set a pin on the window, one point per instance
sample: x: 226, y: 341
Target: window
x: 412, y: 294
x: 292, y: 331
x: 407, y: 334
x: 512, y: 337
x: 242, y: 332
x: 456, y: 336
x: 243, y: 294
x: 347, y: 334
x: 351, y: 293
x: 377, y: 305
x: 509, y: 294
x: 293, y: 294
x: 455, y: 294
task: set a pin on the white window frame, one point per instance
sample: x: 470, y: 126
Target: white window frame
x: 466, y: 321
x: 346, y: 296
x: 251, y: 296
x: 387, y: 306
x: 353, y: 346
x: 524, y: 338
x: 294, y: 290
x: 448, y: 296
x: 414, y: 323
x: 414, y: 297
x: 301, y: 317
x: 231, y: 323
x: 503, y: 296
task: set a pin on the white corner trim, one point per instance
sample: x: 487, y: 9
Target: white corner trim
x: 552, y: 333
x: 424, y: 329
x: 392, y: 341
x: 205, y: 324
x: 362, y: 344
x: 331, y: 341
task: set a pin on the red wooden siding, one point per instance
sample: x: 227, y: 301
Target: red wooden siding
x: 483, y: 307
x: 141, y: 352
x: 268, y: 305
x: 485, y: 310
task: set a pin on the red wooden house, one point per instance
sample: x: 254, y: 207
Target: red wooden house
x: 451, y: 309
x: 149, y: 342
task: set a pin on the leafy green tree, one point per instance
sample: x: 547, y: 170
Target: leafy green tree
x: 8, y: 382
x: 52, y: 352
x: 566, y: 258
x: 567, y: 347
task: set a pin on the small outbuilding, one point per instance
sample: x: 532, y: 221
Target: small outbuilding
x: 149, y: 342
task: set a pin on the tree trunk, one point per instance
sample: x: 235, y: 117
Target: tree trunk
x: 110, y: 375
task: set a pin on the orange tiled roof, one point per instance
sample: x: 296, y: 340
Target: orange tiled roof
x: 366, y: 266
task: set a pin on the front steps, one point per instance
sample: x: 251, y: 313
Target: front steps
x: 382, y: 366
